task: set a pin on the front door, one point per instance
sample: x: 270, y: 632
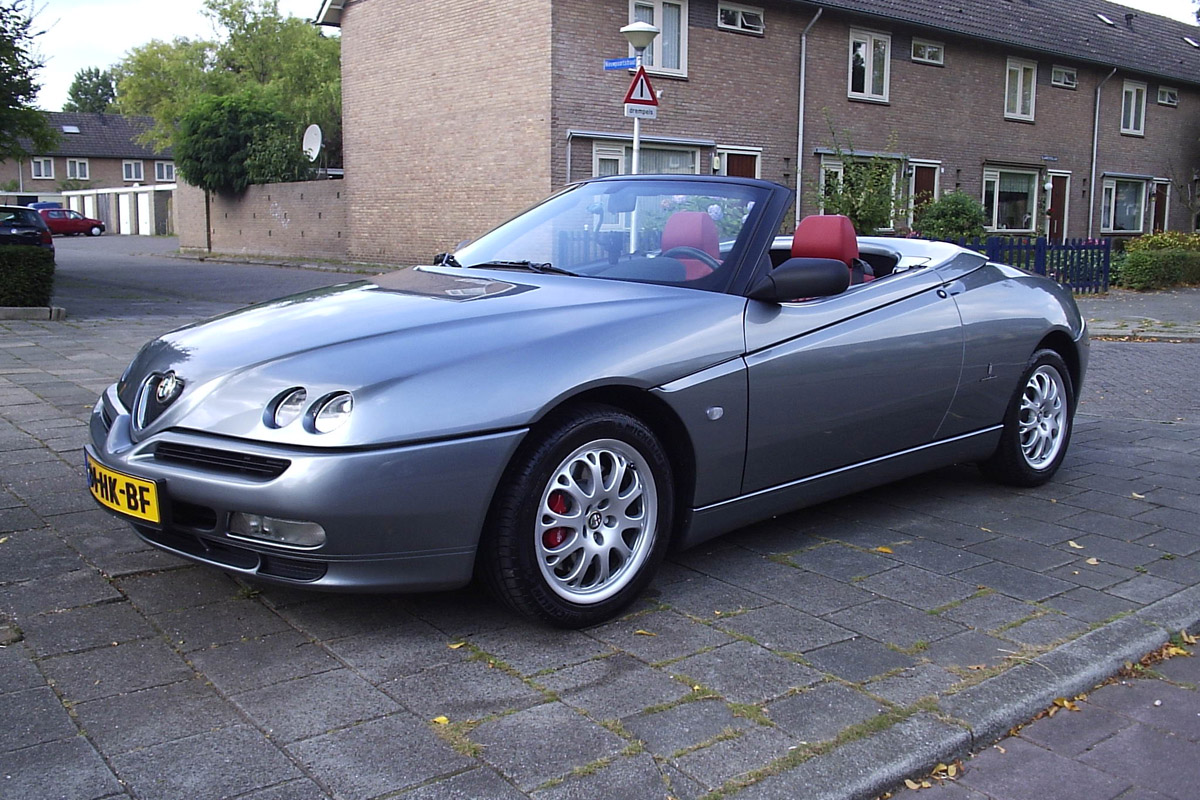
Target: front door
x: 1060, y: 184
x: 1160, y: 206
x: 741, y: 165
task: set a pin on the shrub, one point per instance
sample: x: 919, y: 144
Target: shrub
x: 26, y: 276
x: 953, y: 216
x: 1166, y: 240
x: 1160, y: 269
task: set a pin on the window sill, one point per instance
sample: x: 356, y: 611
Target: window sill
x: 1134, y: 134
x: 1025, y: 120
x: 675, y: 75
x: 42, y: 178
x: 875, y: 101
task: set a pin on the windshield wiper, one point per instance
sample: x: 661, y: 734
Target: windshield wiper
x: 445, y: 260
x: 532, y: 266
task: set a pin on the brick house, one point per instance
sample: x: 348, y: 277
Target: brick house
x: 456, y: 117
x: 94, y: 151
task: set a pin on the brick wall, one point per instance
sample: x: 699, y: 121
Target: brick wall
x: 446, y: 112
x: 293, y: 220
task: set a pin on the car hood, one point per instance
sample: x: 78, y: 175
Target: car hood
x: 433, y: 352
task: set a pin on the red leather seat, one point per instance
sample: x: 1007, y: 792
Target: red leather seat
x: 831, y: 236
x: 692, y: 229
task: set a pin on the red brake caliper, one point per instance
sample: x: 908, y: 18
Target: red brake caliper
x: 556, y: 536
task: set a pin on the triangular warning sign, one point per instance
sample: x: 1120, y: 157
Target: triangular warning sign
x: 641, y: 93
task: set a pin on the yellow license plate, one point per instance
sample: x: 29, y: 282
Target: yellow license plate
x: 124, y: 494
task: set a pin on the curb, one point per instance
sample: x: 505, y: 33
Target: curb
x: 51, y: 313
x: 231, y: 258
x: 983, y: 714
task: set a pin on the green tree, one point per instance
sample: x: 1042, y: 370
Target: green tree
x: 21, y: 124
x: 955, y: 215
x: 863, y: 187
x: 225, y: 142
x: 93, y: 90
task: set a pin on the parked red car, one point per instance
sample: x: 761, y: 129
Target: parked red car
x: 66, y: 221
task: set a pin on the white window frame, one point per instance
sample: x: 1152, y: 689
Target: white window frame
x: 1108, y: 205
x: 869, y: 39
x: 607, y: 152
x: 993, y: 213
x: 133, y: 171
x: 1130, y: 126
x: 160, y: 168
x: 1064, y: 77
x: 938, y: 60
x: 41, y: 168
x: 80, y: 168
x: 1020, y: 66
x: 654, y: 54
x: 722, y: 151
x: 1168, y: 96
x: 743, y: 24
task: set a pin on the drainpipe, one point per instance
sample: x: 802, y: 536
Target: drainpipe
x: 800, y: 122
x: 1095, y: 146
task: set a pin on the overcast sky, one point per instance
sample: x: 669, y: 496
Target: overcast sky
x: 97, y: 33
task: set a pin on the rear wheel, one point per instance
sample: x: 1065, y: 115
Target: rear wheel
x: 582, y: 519
x: 1037, y: 424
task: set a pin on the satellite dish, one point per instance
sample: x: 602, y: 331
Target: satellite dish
x: 312, y: 141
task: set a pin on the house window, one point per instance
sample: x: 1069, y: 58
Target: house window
x: 1019, y: 89
x: 610, y: 159
x: 164, y: 171
x: 668, y: 52
x: 870, y: 65
x: 41, y: 167
x: 928, y: 52
x: 77, y: 169
x: 1168, y: 97
x: 1133, y: 109
x: 1064, y: 77
x: 1123, y: 205
x: 744, y: 19
x: 1010, y: 199
x: 132, y: 170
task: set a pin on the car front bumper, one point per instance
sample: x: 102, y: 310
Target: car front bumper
x: 400, y: 518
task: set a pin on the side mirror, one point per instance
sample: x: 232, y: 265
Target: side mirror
x: 802, y: 277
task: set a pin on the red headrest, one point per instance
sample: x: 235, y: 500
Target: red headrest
x: 692, y: 229
x: 826, y: 236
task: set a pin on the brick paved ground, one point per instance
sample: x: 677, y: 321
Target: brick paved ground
x: 790, y: 659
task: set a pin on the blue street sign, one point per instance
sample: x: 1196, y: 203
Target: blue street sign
x: 611, y: 64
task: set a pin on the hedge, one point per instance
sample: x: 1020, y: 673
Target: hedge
x: 26, y: 276
x: 1165, y: 240
x: 1159, y: 269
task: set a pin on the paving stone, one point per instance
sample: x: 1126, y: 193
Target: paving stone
x: 1027, y: 555
x: 576, y: 742
x: 125, y: 722
x: 336, y: 616
x: 378, y: 757
x: 218, y: 623
x: 85, y: 628
x: 918, y: 587
x: 807, y: 591
x: 1025, y: 770
x: 684, y: 726
x: 17, y: 670
x: 1014, y: 581
x: 1184, y: 571
x: 33, y: 716
x: 1172, y: 518
x: 779, y: 627
x: 935, y: 556
x: 1089, y: 605
x: 614, y: 687
x: 210, y: 765
x: 404, y: 649
x: 462, y: 690
x: 912, y: 684
x: 702, y: 596
x: 289, y: 790
x: 895, y: 623
x: 968, y: 649
x: 113, y: 670
x: 186, y: 587
x: 719, y: 762
x: 1155, y: 703
x: 78, y: 587
x: 531, y: 648
x: 637, y: 776
x: 822, y: 712
x: 946, y: 531
x: 1073, y: 733
x: 858, y: 660
x: 1111, y: 504
x: 31, y: 551
x: 840, y: 562
x: 1098, y: 576
x: 674, y: 636
x: 1181, y: 670
x: 1115, y: 551
x: 725, y: 671
x: 1144, y: 589
x: 989, y: 612
x: 1125, y: 753
x: 255, y: 663
x: 67, y: 768
x: 474, y: 784
x: 304, y: 707
x: 1046, y: 630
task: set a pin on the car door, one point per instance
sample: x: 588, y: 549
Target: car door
x: 841, y: 380
x: 73, y: 222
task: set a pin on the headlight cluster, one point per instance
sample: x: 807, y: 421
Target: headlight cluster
x: 323, y: 415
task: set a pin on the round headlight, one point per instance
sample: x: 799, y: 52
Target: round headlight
x: 332, y: 412
x: 288, y: 408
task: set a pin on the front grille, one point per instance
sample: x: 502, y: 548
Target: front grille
x: 205, y: 549
x: 246, y: 464
x: 190, y: 515
x: 105, y: 417
x: 292, y: 568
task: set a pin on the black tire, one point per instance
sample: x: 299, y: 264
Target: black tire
x: 609, y: 546
x: 1037, y: 424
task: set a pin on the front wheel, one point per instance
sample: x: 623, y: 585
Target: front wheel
x: 1037, y: 424
x: 94, y: 231
x: 581, y: 520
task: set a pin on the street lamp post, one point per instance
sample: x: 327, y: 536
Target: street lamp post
x: 640, y: 36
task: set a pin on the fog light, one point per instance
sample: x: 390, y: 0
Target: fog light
x: 294, y: 533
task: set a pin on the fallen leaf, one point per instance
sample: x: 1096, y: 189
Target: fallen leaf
x: 3, y: 539
x: 952, y: 771
x: 441, y: 720
x: 1092, y: 561
x: 883, y: 549
x: 456, y: 645
x: 911, y: 784
x: 1001, y: 749
x: 640, y: 632
x: 1137, y: 496
x: 989, y: 530
x: 1184, y: 635
x: 1075, y: 545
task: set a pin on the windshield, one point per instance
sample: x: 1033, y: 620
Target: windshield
x: 646, y: 230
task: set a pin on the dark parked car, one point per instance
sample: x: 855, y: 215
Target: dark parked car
x: 634, y: 364
x: 21, y: 225
x: 71, y: 223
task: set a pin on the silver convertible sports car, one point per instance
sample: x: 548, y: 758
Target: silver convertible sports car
x: 634, y: 364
